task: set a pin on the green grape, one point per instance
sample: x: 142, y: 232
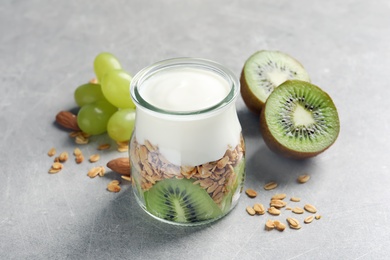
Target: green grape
x: 116, y: 88
x: 121, y: 124
x: 103, y: 63
x: 88, y: 93
x: 92, y: 118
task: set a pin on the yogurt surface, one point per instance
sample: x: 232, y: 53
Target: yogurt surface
x: 192, y: 139
x: 184, y: 89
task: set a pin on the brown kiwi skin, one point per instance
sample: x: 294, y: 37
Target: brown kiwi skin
x: 250, y: 100
x: 277, y: 148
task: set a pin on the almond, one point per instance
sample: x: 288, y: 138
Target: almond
x: 68, y: 120
x: 120, y: 165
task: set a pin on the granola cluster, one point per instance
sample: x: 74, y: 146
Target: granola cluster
x: 216, y: 177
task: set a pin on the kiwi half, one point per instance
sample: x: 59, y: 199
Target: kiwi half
x: 299, y: 120
x: 181, y: 201
x: 263, y: 72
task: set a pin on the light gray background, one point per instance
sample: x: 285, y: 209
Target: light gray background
x: 46, y: 51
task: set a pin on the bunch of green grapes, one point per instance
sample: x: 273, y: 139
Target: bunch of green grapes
x: 106, y: 106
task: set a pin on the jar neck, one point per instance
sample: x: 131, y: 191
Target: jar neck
x: 159, y: 68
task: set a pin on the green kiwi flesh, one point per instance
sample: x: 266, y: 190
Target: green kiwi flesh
x: 181, y: 201
x: 236, y: 188
x: 263, y: 72
x: 299, y: 120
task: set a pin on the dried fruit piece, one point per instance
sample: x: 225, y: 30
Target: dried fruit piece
x: 293, y: 223
x: 251, y: 193
x: 279, y: 225
x: 68, y: 120
x: 63, y: 157
x: 295, y: 199
x: 104, y: 147
x: 120, y: 165
x: 259, y: 208
x: 303, y: 178
x: 250, y: 211
x: 279, y: 196
x: 51, y: 152
x: 310, y: 208
x: 270, y: 185
x: 298, y: 210
x: 94, y: 158
x: 269, y: 225
x: 308, y: 219
x: 273, y: 211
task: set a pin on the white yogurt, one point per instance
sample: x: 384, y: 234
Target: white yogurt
x: 185, y: 89
x: 187, y: 139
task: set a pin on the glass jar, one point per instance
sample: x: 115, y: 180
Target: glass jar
x: 187, y: 151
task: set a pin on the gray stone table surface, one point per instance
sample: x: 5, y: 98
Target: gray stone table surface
x: 46, y: 51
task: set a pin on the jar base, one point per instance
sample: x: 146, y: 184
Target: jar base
x: 184, y: 224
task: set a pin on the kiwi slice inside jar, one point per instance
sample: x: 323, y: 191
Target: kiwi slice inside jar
x: 181, y: 201
x: 299, y: 120
x: 263, y: 72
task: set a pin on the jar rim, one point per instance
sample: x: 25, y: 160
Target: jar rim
x: 189, y: 62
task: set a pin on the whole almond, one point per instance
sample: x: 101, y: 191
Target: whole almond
x: 68, y: 120
x: 120, y: 165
